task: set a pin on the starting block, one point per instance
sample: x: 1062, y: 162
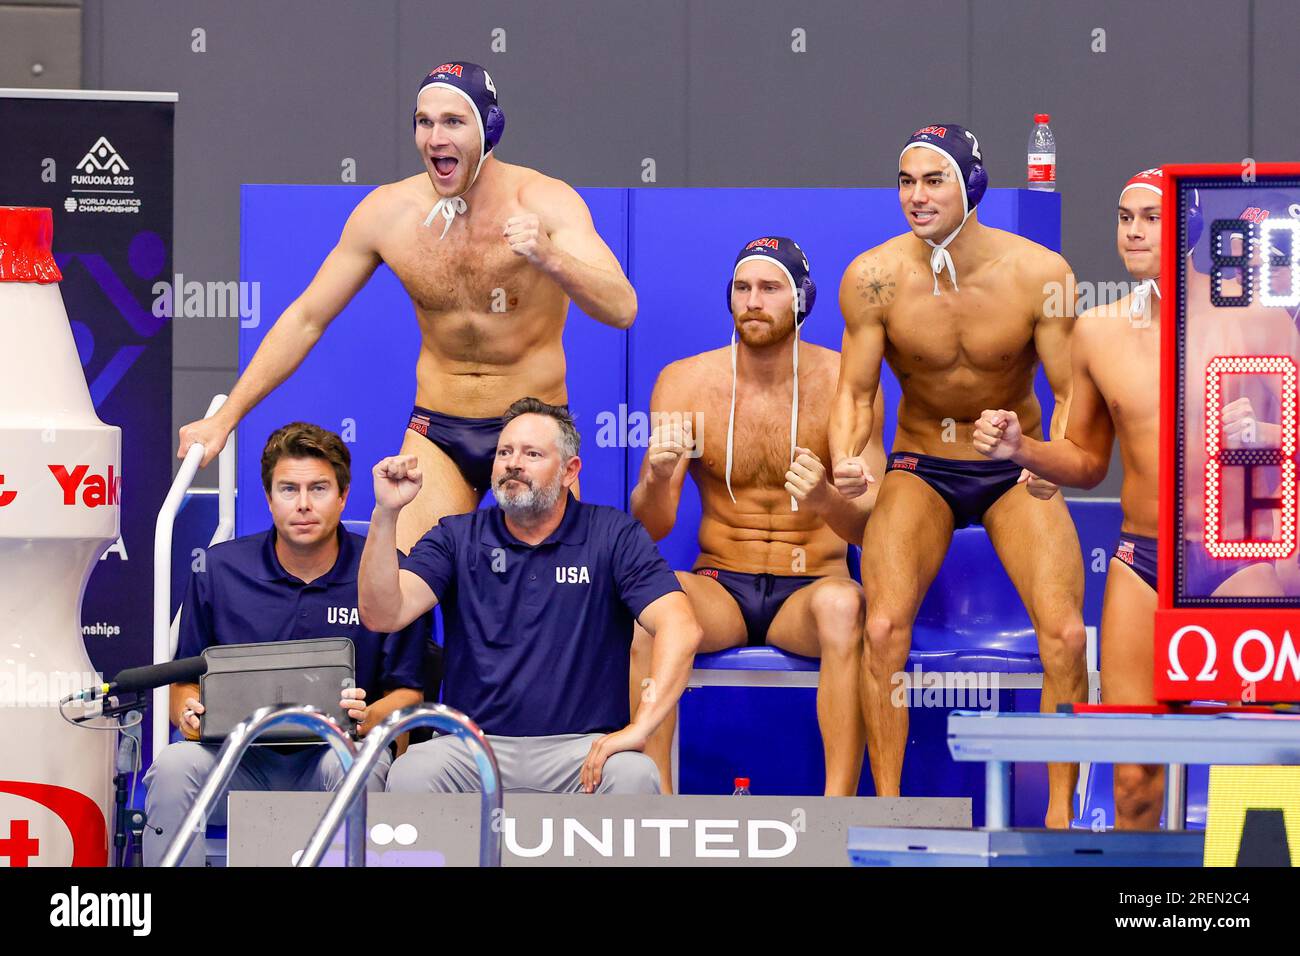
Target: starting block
x: 886, y: 846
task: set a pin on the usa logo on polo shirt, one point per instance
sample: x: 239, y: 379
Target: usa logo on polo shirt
x: 572, y: 575
x: 343, y: 615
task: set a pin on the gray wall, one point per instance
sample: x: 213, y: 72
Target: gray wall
x: 710, y: 89
x: 40, y: 44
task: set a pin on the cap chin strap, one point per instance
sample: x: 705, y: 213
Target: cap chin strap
x: 941, y: 258
x: 451, y: 206
x: 1140, y: 303
x: 794, y: 412
x: 794, y: 407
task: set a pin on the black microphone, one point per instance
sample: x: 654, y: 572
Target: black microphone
x: 187, y: 670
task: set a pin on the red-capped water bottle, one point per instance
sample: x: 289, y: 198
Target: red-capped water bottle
x: 742, y: 787
x: 1042, y: 154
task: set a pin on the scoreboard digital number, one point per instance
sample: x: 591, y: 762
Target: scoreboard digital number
x: 1259, y: 237
x: 1228, y: 617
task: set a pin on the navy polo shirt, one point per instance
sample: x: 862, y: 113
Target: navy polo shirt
x: 245, y: 596
x: 536, y: 639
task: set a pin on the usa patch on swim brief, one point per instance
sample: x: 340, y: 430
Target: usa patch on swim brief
x: 419, y: 424
x: 1125, y: 552
x: 908, y: 462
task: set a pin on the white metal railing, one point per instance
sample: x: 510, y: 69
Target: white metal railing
x: 241, y: 737
x: 164, y: 626
x: 343, y: 806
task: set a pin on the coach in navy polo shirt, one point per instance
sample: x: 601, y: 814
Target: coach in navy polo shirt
x: 296, y: 581
x: 538, y: 595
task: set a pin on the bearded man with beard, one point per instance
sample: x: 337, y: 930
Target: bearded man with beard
x: 539, y: 595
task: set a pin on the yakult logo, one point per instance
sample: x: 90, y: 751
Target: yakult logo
x: 6, y: 496
x: 1276, y: 662
x: 95, y: 490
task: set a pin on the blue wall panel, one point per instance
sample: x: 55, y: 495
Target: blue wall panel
x: 684, y: 242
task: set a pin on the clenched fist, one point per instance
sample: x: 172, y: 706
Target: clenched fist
x: 997, y: 434
x: 1239, y: 423
x: 806, y: 480
x: 852, y: 476
x: 397, y: 481
x: 1037, y: 487
x: 527, y: 238
x: 671, y: 440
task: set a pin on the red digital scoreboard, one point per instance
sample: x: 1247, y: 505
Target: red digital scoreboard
x: 1228, y: 614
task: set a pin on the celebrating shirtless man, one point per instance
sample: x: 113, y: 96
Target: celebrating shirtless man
x: 772, y: 534
x: 490, y: 293
x: 1116, y: 394
x: 953, y: 349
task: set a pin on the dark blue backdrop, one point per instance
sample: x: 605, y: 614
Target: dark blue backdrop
x: 110, y: 262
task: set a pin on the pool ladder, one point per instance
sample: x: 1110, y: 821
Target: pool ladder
x: 348, y: 807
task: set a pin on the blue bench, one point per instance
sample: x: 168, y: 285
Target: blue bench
x: 972, y: 620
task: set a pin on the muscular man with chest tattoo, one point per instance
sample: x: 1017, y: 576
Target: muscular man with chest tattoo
x: 962, y: 313
x: 490, y: 293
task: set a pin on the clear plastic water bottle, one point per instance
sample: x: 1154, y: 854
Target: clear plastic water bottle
x: 742, y: 787
x: 1042, y: 154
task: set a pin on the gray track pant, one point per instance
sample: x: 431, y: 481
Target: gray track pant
x: 528, y: 764
x: 182, y: 768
